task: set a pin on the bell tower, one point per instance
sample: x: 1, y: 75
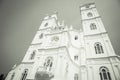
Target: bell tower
x: 91, y: 20
x: 96, y: 37
x: 99, y: 53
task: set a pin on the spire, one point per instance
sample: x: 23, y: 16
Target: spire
x: 47, y: 16
x: 55, y: 15
x: 91, y: 20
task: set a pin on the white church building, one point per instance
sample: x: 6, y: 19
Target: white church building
x: 59, y: 52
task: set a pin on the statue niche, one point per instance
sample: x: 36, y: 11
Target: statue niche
x: 48, y: 63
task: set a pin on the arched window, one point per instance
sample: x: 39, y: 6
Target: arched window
x: 48, y: 63
x: 24, y: 74
x: 98, y: 48
x: 12, y: 76
x: 32, y: 55
x: 76, y: 57
x: 41, y: 36
x: 76, y: 37
x: 93, y: 26
x: 76, y: 76
x: 89, y: 14
x: 104, y: 73
x: 46, y: 24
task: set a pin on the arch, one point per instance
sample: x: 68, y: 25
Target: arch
x: 24, y: 74
x: 93, y: 26
x: 41, y: 36
x: 48, y: 63
x: 12, y: 76
x: 76, y: 57
x: 98, y: 48
x: 75, y: 76
x: 76, y: 37
x: 104, y: 73
x: 46, y: 24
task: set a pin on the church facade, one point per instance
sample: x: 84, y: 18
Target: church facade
x: 59, y: 52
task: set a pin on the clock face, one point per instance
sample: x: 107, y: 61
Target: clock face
x: 89, y: 14
x: 55, y: 38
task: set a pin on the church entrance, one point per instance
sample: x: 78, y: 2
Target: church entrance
x: 43, y: 76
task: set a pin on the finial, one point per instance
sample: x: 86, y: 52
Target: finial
x: 80, y: 30
x: 58, y: 23
x: 14, y: 66
x: 54, y: 15
x: 66, y: 27
x: 63, y: 23
x: 71, y: 27
x: 55, y: 12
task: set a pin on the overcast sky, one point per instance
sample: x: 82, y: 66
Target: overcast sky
x: 20, y: 19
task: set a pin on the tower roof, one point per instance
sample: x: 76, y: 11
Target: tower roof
x: 86, y: 6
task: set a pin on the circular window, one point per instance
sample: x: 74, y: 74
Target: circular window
x: 55, y: 38
x: 89, y: 14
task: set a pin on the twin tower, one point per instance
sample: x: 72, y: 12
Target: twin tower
x: 59, y: 52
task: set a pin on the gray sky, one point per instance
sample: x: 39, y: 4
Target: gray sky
x: 20, y: 19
